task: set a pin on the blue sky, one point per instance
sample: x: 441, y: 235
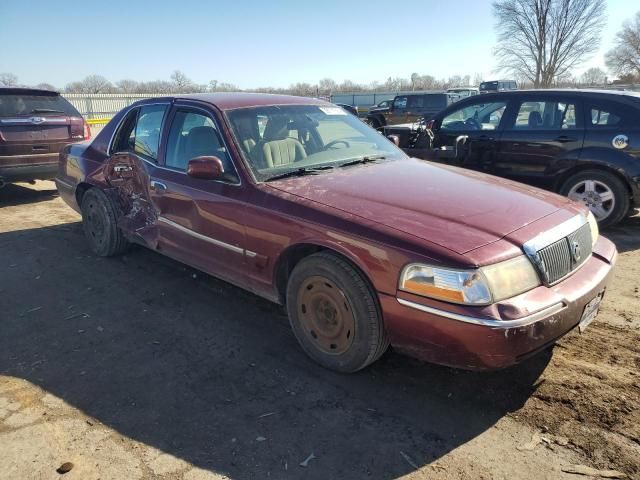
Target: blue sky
x: 254, y: 43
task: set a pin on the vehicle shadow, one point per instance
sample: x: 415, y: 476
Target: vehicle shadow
x: 13, y: 194
x: 626, y: 234
x: 199, y: 369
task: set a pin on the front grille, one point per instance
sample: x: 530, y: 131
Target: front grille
x: 557, y: 260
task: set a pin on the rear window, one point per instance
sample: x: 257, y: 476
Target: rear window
x: 19, y: 104
x: 489, y: 86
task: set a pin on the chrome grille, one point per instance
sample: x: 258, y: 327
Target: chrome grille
x: 562, y: 257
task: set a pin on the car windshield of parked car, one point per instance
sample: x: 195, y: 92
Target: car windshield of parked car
x: 280, y: 139
x: 478, y: 116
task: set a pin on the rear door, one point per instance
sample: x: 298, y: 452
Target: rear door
x: 543, y: 134
x: 35, y: 126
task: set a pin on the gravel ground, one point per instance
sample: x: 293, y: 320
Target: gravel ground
x: 141, y: 368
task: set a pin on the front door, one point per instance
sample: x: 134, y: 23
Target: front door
x: 199, y: 221
x: 468, y: 136
x: 541, y: 132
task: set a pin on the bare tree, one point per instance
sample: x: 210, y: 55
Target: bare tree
x: 181, y: 82
x: 91, y: 84
x: 593, y: 76
x: 128, y: 86
x: 624, y: 57
x: 544, y: 39
x: 8, y: 80
x: 46, y: 86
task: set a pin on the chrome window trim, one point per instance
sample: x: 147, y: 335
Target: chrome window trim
x: 486, y: 322
x: 29, y: 155
x: 204, y: 238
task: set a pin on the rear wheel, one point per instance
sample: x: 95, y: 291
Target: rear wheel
x: 603, y: 192
x: 334, y: 314
x: 99, y: 222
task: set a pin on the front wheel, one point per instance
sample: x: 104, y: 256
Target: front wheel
x: 99, y: 222
x: 334, y: 314
x: 372, y: 122
x: 603, y: 192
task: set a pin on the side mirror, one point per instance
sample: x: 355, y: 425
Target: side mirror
x: 205, y: 168
x: 395, y: 139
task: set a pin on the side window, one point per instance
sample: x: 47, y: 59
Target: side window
x: 608, y: 115
x: 147, y: 131
x: 125, y: 136
x: 480, y: 116
x: 400, y: 103
x: 194, y: 135
x: 415, y: 101
x: 549, y: 115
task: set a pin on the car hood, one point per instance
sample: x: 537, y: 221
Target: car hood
x: 455, y: 208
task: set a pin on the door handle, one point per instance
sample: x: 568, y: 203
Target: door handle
x: 565, y: 139
x: 485, y: 138
x: 122, y: 168
x: 157, y: 186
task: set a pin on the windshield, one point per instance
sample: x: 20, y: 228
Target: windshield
x: 280, y: 139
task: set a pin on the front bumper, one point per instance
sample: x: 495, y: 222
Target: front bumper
x: 482, y: 338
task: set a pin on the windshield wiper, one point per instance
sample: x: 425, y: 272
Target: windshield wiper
x: 45, y: 110
x: 300, y: 172
x: 369, y: 159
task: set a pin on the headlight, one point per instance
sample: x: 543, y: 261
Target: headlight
x: 474, y: 287
x: 593, y: 225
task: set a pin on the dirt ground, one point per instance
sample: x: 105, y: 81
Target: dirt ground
x: 141, y: 368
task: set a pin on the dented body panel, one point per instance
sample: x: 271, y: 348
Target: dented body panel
x: 380, y: 217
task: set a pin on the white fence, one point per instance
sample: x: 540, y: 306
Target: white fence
x: 99, y: 106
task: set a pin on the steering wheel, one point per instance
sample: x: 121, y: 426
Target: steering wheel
x: 473, y: 123
x: 335, y: 142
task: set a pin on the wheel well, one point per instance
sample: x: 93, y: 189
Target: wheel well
x: 81, y: 189
x: 294, y: 254
x: 565, y: 176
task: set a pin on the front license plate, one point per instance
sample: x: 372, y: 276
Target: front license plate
x: 590, y: 312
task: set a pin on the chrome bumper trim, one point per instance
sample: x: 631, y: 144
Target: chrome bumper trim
x: 486, y: 322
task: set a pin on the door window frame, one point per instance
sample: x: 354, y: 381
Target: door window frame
x: 514, y: 107
x: 478, y: 100
x: 164, y: 139
x: 155, y: 162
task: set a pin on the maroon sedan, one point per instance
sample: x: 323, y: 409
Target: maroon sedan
x: 301, y: 203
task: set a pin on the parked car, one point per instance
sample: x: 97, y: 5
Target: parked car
x: 410, y: 108
x: 581, y: 143
x: 498, y: 86
x: 365, y: 246
x: 34, y: 126
x: 464, y: 92
x: 353, y: 110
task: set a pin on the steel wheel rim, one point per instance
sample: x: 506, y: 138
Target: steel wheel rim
x: 596, y: 195
x: 326, y: 317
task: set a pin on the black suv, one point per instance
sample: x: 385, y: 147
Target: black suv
x: 409, y: 108
x: 34, y: 126
x: 584, y: 144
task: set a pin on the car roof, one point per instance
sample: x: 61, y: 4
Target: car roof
x: 233, y: 100
x: 26, y: 91
x: 586, y: 91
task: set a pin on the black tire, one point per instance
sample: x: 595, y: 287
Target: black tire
x: 99, y: 222
x: 366, y: 343
x: 620, y: 193
x: 372, y: 122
